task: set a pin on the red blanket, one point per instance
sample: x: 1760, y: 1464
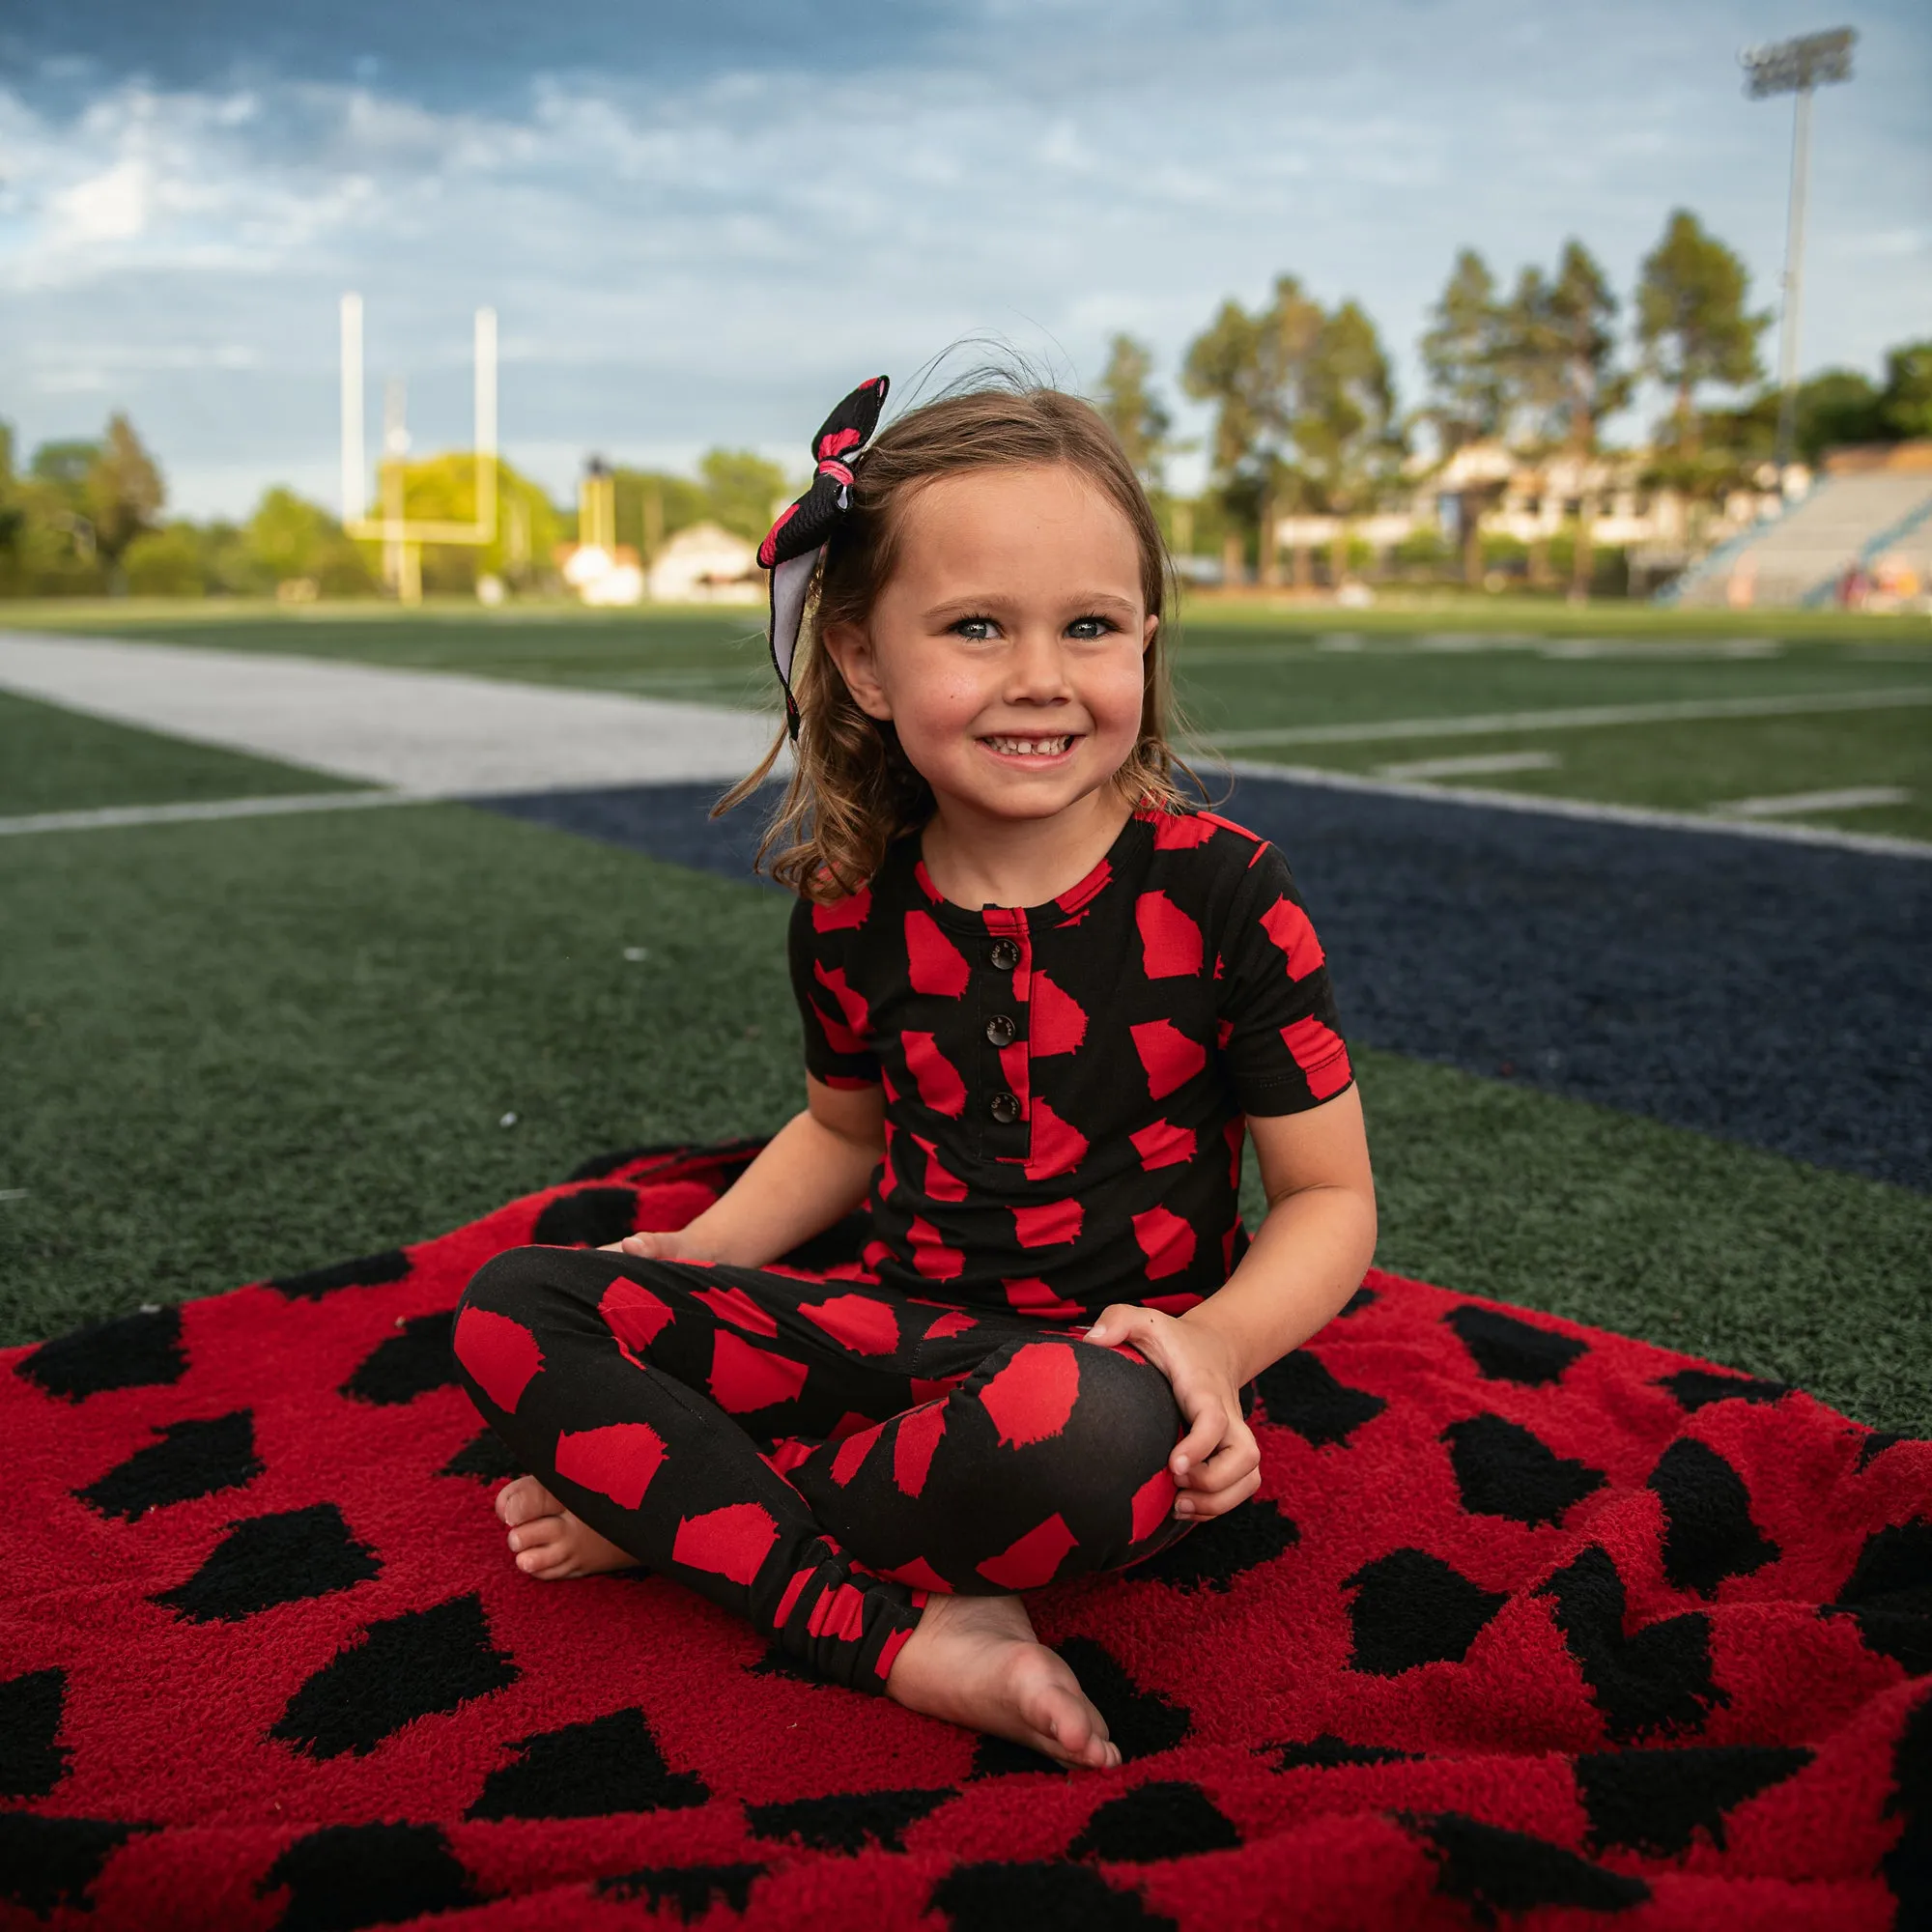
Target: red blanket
x: 1528, y: 1624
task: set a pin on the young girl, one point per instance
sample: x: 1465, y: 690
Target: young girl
x: 1044, y: 997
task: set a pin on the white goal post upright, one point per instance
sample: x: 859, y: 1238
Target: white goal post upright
x: 401, y: 537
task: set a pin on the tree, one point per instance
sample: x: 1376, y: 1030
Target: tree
x: 123, y: 489
x: 1582, y: 341
x: 746, y: 491
x: 1905, y: 409
x: 1223, y: 367
x: 1464, y: 352
x: 289, y: 539
x: 1344, y: 431
x: 1133, y: 410
x: 1692, y: 321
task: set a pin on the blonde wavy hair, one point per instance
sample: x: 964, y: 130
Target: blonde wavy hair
x: 852, y: 790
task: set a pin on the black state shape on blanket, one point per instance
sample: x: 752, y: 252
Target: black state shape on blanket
x: 1162, y: 1819
x: 1497, y: 1873
x: 406, y: 1667
x: 1708, y: 1531
x: 1654, y: 1682
x: 689, y: 1887
x: 284, y: 1558
x: 1329, y: 1752
x: 193, y: 1459
x: 346, y: 1876
x: 586, y: 1771
x: 417, y: 1359
x: 1140, y: 1723
x: 363, y: 1272
x: 1506, y: 1350
x: 1693, y: 1389
x: 32, y: 1760
x: 1504, y: 1469
x: 847, y: 1820
x: 997, y: 1897
x: 1300, y: 1393
x: 1411, y: 1608
x: 1908, y: 1865
x: 485, y: 1459
x: 1220, y: 1549
x: 1888, y: 1594
x: 49, y: 1862
x: 593, y: 1217
x: 132, y: 1351
x: 1654, y: 1801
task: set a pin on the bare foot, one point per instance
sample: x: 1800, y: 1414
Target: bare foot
x: 549, y: 1542
x: 975, y: 1660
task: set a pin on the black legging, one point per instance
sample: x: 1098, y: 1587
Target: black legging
x: 814, y: 1455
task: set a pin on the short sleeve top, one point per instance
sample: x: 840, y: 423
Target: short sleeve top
x: 1065, y: 1085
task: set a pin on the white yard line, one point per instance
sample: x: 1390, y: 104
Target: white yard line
x: 111, y: 817
x: 428, y: 732
x: 1577, y: 718
x: 1576, y: 807
x: 1801, y: 804
x: 1477, y: 765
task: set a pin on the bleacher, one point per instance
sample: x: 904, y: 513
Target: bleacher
x: 1869, y: 506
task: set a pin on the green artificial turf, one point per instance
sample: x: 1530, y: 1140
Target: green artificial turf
x: 56, y: 760
x: 248, y: 1048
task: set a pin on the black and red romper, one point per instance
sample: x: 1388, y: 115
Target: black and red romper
x: 1065, y: 1088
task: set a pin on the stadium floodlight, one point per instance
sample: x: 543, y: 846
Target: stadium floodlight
x: 401, y: 538
x: 1794, y: 66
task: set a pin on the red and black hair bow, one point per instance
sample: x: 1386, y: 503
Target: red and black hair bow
x: 792, y: 544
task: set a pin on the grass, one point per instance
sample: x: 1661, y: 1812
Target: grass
x: 56, y: 760
x: 242, y: 1048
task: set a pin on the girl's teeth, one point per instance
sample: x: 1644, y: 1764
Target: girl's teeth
x: 1037, y: 748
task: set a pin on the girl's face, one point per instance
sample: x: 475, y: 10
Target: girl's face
x: 1007, y: 648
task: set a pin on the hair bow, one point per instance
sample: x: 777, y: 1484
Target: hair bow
x: 792, y: 544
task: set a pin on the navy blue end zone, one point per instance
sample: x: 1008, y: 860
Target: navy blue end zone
x: 1774, y: 993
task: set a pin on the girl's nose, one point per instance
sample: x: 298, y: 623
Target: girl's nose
x: 1037, y: 670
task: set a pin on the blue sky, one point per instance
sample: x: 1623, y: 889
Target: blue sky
x: 701, y: 225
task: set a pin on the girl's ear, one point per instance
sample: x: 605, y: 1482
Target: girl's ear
x: 850, y: 648
x: 1148, y: 630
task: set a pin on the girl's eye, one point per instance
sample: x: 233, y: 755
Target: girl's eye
x: 975, y: 630
x: 1091, y: 627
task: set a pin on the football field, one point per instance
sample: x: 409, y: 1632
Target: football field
x: 239, y: 1047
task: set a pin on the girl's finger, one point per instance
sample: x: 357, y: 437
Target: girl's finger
x: 1200, y: 1442
x: 1219, y: 1502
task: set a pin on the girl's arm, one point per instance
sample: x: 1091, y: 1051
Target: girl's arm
x: 814, y: 1170
x: 1314, y: 1246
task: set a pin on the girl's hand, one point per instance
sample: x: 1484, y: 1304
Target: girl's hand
x: 1217, y: 1462
x: 647, y: 1248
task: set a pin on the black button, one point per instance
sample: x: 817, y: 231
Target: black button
x: 1001, y: 1030
x: 1006, y: 1108
x: 1005, y: 955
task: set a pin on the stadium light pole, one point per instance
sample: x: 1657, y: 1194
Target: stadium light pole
x: 1794, y: 66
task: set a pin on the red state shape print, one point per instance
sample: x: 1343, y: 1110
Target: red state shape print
x: 1319, y: 1052
x: 1048, y: 1224
x: 1032, y: 1561
x: 850, y: 1036
x: 738, y: 1307
x: 1170, y: 1059
x: 920, y: 1574
x: 938, y: 1080
x: 1180, y: 831
x: 1153, y: 1504
x: 1287, y: 924
x: 852, y: 1452
x: 501, y: 1355
x: 1171, y: 945
x: 955, y: 1322
x: 839, y: 1613
x: 843, y: 914
x: 617, y: 1461
x: 1166, y: 1240
x: 1163, y: 1144
x: 633, y: 1313
x: 930, y: 1255
x: 730, y: 1541
x: 1058, y: 1145
x: 935, y: 964
x: 744, y: 1379
x: 1056, y: 1021
x: 1032, y: 1397
x: 868, y: 1326
x: 1033, y: 1296
x: 919, y: 1431
x: 941, y: 1182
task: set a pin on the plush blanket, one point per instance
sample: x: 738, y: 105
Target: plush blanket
x: 1529, y: 1623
